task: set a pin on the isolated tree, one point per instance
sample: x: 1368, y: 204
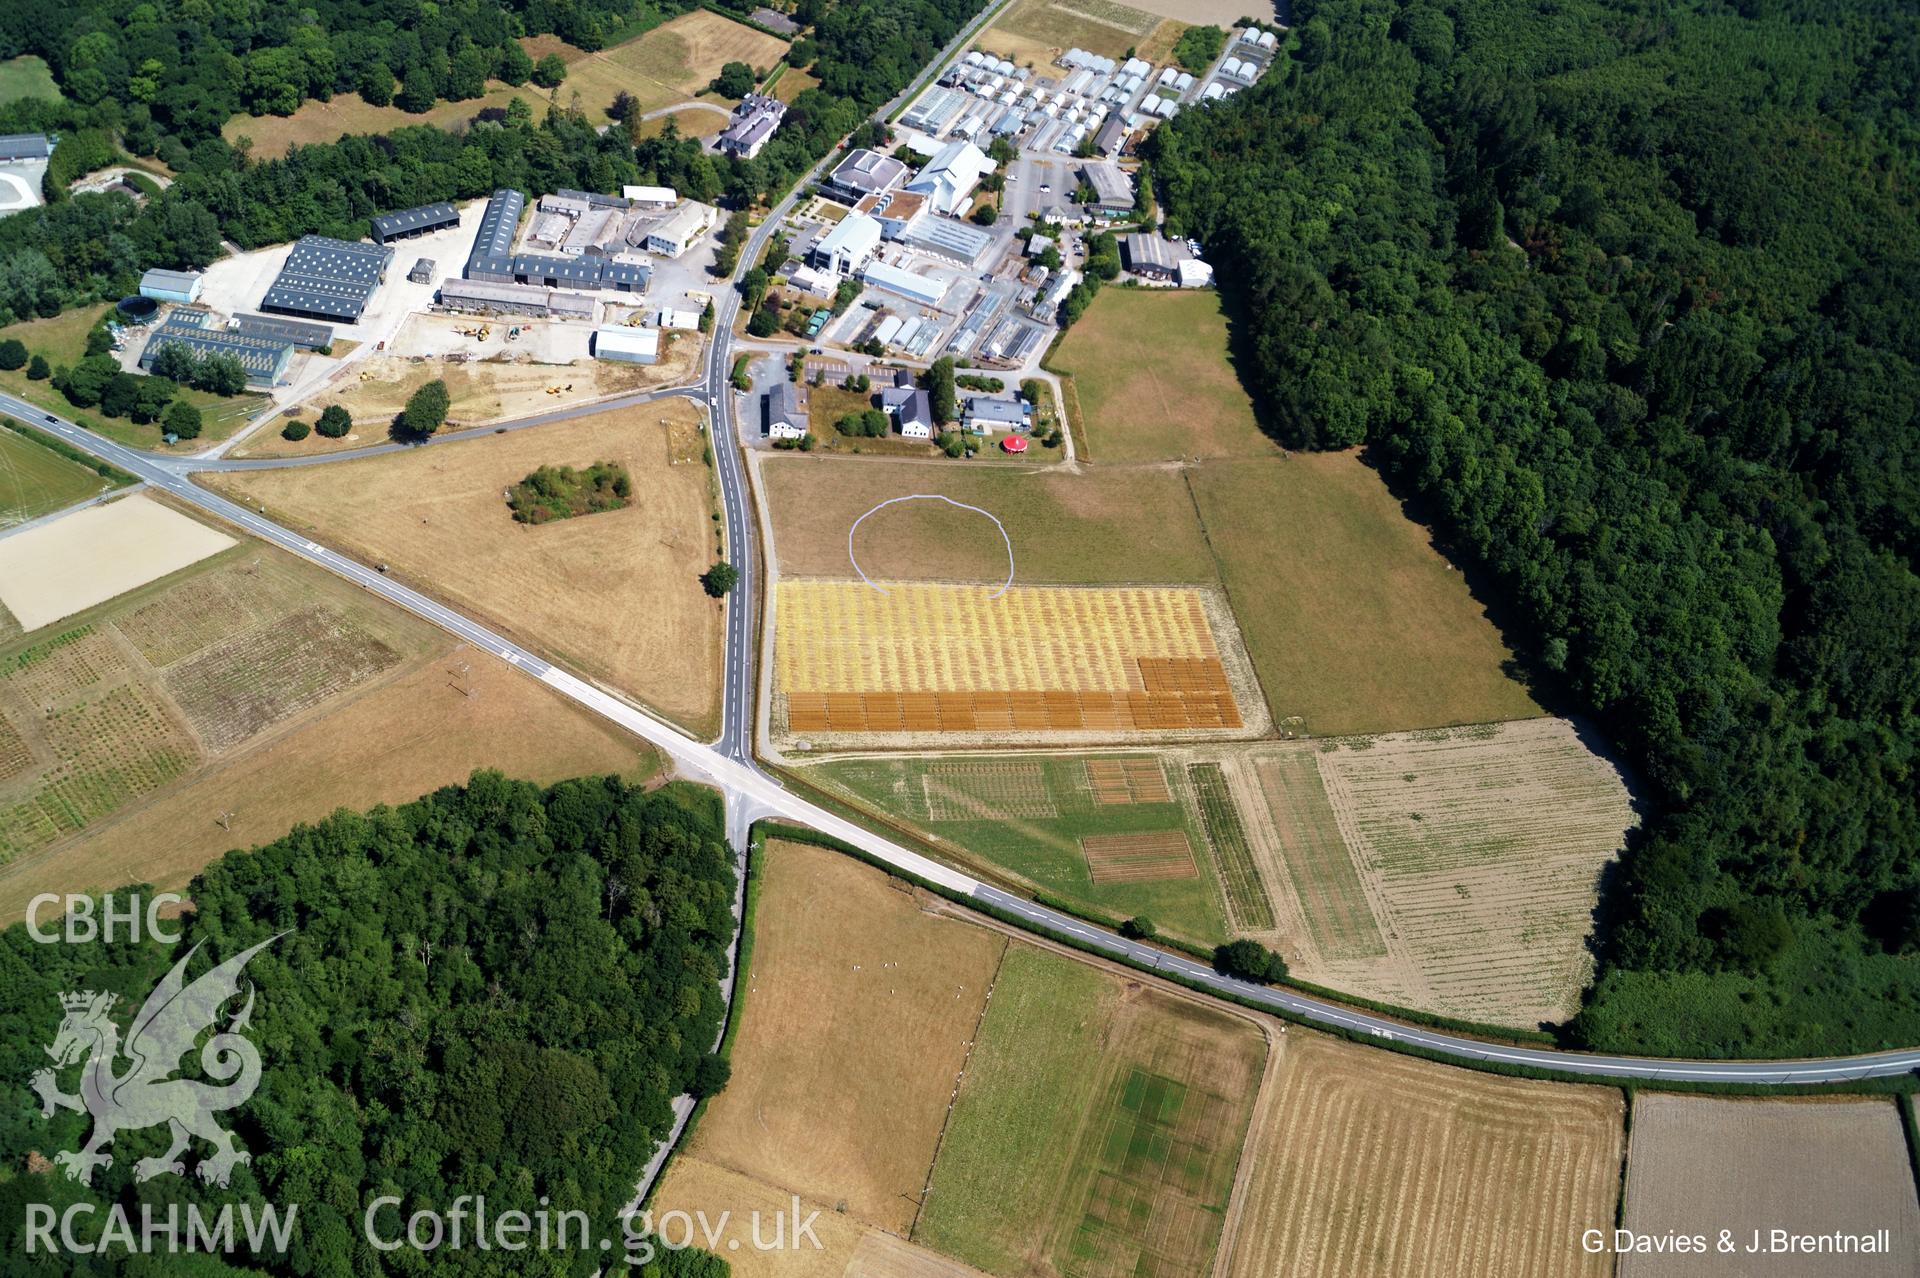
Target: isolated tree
x: 426, y: 409
x: 13, y: 353
x: 151, y: 397
x: 711, y: 1075
x: 376, y: 84
x: 295, y: 430
x: 183, y: 420
x: 549, y: 71
x: 1138, y: 928
x: 720, y: 578
x: 987, y: 214
x: 334, y: 422
x: 37, y: 370
x: 416, y: 91
x: 1250, y: 961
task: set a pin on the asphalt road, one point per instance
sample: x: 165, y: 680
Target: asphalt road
x: 752, y: 794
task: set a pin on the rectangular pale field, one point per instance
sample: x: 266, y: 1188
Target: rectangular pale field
x: 1453, y: 871
x: 90, y: 556
x: 859, y: 1011
x: 1097, y: 1131
x: 1037, y: 31
x: 945, y: 657
x: 1701, y: 1164
x: 616, y: 594
x: 1368, y: 1163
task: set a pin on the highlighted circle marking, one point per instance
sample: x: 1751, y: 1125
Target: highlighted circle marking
x: 854, y: 560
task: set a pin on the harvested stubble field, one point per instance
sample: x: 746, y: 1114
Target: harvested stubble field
x: 730, y: 1201
x: 1026, y: 815
x: 1700, y: 1164
x: 854, y: 658
x: 1037, y: 31
x: 1151, y: 381
x: 859, y: 1012
x: 1450, y: 870
x: 1092, y: 529
x: 616, y: 595
x: 35, y: 480
x: 1097, y: 1130
x: 1368, y: 1163
x: 97, y: 717
x: 431, y: 726
x: 1354, y: 621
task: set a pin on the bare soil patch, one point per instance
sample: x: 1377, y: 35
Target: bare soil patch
x: 92, y: 555
x: 860, y: 1008
x: 1701, y: 1164
x: 617, y: 595
x: 1373, y: 1163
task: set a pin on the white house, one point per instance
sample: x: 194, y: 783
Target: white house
x: 680, y: 230
x: 650, y: 197
x: 846, y: 248
x: 786, y: 406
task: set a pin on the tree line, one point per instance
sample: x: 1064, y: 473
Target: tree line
x: 1619, y: 299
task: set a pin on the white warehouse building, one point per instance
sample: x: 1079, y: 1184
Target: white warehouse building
x: 915, y: 288
x: 627, y: 345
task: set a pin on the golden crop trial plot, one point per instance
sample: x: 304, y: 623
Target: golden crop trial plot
x: 947, y: 657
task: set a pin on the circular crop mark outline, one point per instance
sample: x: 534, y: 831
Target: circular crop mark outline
x: 1004, y: 586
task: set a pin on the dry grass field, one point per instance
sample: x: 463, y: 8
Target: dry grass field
x: 616, y: 595
x: 433, y: 726
x: 1094, y: 528
x: 1700, y: 1164
x: 942, y: 658
x: 92, y: 555
x: 671, y: 63
x: 480, y: 392
x: 1355, y: 623
x: 847, y: 1248
x: 1151, y: 380
x: 859, y: 1012
x: 100, y: 715
x: 1450, y: 870
x: 1097, y: 1130
x: 1369, y: 1164
x: 1037, y: 31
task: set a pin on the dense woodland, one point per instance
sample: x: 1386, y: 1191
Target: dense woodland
x: 1620, y: 297
x: 95, y: 246
x: 492, y: 990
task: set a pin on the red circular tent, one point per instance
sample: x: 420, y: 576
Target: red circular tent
x: 1014, y: 444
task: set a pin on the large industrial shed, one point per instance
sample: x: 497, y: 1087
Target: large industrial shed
x: 388, y: 227
x: 265, y: 359
x: 492, y: 256
x: 328, y: 279
x: 627, y: 345
x: 171, y: 286
x: 492, y: 297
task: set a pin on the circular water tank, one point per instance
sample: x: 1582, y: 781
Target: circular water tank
x: 137, y: 309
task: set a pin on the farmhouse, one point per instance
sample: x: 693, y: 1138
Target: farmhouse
x: 754, y: 121
x: 264, y: 359
x: 171, y: 286
x: 407, y: 223
x: 985, y: 414
x: 911, y: 409
x: 494, y: 297
x: 627, y: 345
x: 863, y: 173
x: 786, y: 409
x: 846, y: 248
x: 328, y: 279
x: 949, y: 178
x: 680, y: 230
x: 1112, y: 190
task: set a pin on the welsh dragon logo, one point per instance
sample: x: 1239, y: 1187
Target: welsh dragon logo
x: 144, y: 1095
